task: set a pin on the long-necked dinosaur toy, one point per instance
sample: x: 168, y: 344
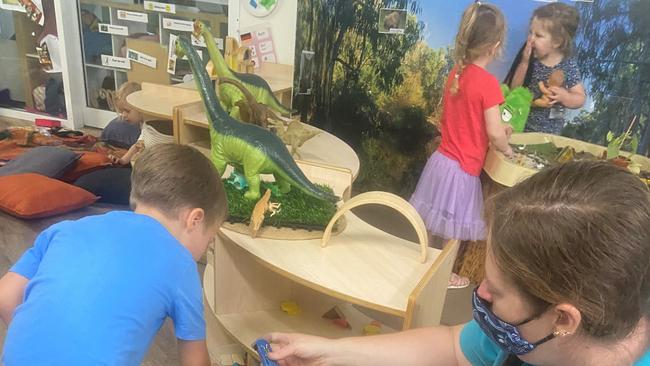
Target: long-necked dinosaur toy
x: 254, y: 83
x: 251, y: 149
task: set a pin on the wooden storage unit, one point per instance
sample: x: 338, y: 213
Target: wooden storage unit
x: 368, y: 273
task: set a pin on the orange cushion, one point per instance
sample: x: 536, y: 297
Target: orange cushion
x: 32, y: 196
x: 89, y: 162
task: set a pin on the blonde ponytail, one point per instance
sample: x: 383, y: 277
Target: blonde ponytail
x: 481, y: 28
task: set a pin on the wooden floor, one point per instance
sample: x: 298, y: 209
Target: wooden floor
x: 17, y: 235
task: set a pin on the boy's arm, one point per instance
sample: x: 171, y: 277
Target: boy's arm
x: 193, y: 353
x: 573, y: 98
x: 12, y: 290
x: 126, y: 158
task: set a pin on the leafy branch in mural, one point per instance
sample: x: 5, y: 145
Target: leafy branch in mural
x: 614, y: 53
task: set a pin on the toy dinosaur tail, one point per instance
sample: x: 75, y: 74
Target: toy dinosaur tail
x: 293, y: 174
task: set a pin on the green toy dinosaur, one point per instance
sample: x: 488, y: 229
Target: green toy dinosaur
x: 249, y: 148
x: 229, y: 95
x: 516, y: 107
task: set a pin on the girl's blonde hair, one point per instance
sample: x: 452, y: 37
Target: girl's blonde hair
x: 481, y: 28
x: 561, y: 21
x: 122, y: 92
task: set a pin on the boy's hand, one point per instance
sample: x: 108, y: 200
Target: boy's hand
x: 114, y: 159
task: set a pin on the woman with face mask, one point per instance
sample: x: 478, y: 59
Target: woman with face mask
x: 567, y: 282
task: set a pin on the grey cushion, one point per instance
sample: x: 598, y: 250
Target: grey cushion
x: 49, y: 161
x: 121, y: 133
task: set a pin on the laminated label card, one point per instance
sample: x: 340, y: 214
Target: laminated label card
x: 141, y: 58
x: 118, y: 62
x: 159, y: 7
x: 132, y: 16
x: 113, y: 29
x: 179, y: 25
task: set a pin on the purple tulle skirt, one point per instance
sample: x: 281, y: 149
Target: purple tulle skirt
x: 449, y: 200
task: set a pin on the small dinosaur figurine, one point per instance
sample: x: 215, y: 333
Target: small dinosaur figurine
x: 259, y: 212
x: 294, y: 135
x: 249, y: 109
x: 258, y: 87
x: 555, y: 79
x: 251, y: 149
x: 516, y: 107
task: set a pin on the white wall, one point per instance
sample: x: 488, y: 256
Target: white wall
x: 282, y: 23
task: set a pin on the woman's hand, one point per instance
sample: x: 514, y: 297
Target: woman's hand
x: 299, y: 349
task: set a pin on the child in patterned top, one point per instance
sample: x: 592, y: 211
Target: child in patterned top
x: 550, y: 42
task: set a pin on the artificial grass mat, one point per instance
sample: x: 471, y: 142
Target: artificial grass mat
x: 297, y: 209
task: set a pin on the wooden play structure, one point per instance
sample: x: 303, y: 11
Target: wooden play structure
x: 369, y: 276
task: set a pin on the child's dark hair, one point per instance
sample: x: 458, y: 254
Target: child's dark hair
x: 561, y: 21
x: 481, y: 28
x: 171, y: 177
x: 578, y: 233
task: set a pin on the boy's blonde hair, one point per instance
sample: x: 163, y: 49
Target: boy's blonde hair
x: 172, y: 177
x: 481, y: 28
x: 561, y: 21
x: 122, y: 92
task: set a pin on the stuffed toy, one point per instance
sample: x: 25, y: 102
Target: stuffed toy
x: 516, y: 107
x: 555, y: 79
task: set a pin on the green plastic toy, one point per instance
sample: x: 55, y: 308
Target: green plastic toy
x: 251, y: 149
x: 516, y: 108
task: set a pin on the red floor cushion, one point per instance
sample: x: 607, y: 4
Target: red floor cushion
x: 32, y: 196
x: 89, y: 162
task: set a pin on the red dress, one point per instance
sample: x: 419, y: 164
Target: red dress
x: 464, y: 136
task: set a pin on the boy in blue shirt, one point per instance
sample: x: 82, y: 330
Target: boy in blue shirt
x: 97, y: 290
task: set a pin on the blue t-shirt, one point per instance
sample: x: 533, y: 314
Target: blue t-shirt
x: 479, y: 349
x: 550, y: 120
x: 100, y: 289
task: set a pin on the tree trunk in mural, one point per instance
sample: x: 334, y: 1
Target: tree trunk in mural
x: 323, y: 27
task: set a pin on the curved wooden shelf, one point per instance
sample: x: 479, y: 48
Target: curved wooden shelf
x: 386, y: 199
x: 362, y: 265
x: 505, y: 172
x: 246, y: 327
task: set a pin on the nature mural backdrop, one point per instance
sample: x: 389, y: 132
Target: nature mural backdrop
x: 381, y: 92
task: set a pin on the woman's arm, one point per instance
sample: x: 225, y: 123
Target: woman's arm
x: 425, y: 346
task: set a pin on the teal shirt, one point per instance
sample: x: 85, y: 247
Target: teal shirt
x: 481, y: 351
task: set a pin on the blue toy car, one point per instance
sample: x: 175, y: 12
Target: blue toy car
x: 263, y: 348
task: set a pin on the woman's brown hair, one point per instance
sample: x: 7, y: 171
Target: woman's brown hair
x: 481, y: 28
x: 561, y: 21
x: 578, y: 233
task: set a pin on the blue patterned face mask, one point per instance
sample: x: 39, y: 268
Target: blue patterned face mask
x: 504, y: 334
